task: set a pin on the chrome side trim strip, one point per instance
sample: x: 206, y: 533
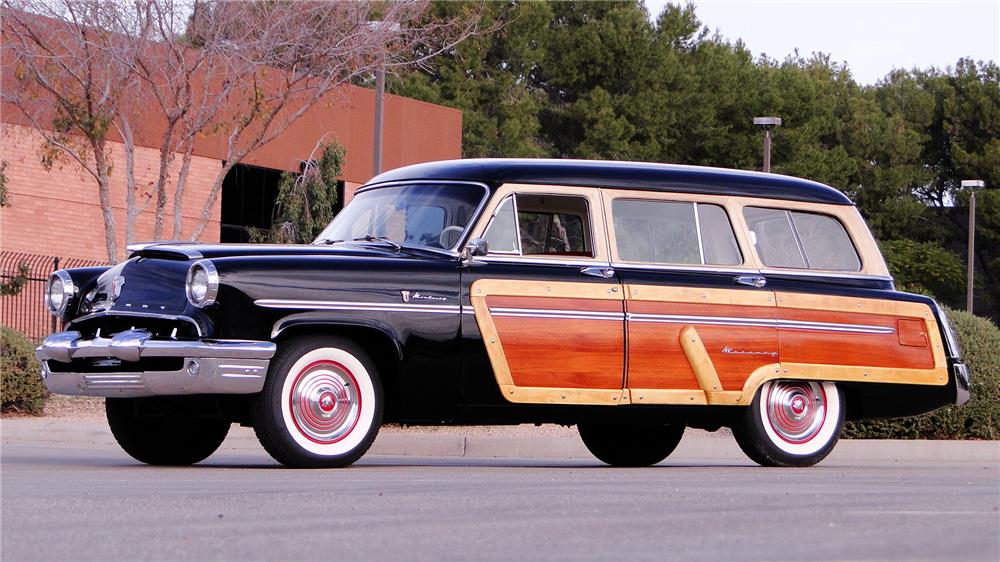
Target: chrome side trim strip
x: 541, y: 260
x: 761, y: 322
x: 363, y: 306
x: 553, y: 313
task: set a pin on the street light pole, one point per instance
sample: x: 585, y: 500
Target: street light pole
x: 389, y: 28
x: 972, y: 185
x: 768, y: 123
x: 379, y: 94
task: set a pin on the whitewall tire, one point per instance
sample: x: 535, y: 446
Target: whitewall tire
x: 791, y: 423
x: 321, y: 406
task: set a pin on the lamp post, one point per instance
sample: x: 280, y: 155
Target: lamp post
x: 768, y: 123
x: 389, y: 28
x: 972, y: 185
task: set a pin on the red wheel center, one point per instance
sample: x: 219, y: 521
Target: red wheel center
x: 798, y: 405
x: 327, y: 401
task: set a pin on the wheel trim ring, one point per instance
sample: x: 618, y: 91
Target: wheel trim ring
x: 791, y: 423
x: 303, y: 406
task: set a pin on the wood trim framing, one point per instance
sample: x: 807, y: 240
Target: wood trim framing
x: 483, y: 288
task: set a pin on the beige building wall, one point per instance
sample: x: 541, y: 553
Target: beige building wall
x: 56, y: 212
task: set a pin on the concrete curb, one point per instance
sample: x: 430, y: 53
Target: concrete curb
x: 514, y: 442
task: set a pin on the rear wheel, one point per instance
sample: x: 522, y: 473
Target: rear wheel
x: 162, y: 439
x: 630, y: 444
x: 791, y: 423
x: 321, y: 406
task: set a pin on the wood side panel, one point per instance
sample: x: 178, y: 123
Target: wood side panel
x: 657, y: 361
x: 865, y: 350
x: 543, y: 352
x: 553, y: 303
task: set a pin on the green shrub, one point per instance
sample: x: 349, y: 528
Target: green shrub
x: 979, y: 418
x: 22, y: 389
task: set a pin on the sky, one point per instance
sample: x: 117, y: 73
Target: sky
x: 872, y: 37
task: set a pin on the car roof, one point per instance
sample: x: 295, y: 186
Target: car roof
x: 619, y: 175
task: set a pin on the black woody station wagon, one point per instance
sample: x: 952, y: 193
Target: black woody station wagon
x: 632, y: 300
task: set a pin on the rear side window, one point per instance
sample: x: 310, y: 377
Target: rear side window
x: 672, y: 232
x: 801, y: 240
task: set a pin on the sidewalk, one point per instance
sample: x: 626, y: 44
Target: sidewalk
x: 524, y: 441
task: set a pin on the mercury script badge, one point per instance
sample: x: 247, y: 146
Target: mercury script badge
x: 732, y: 351
x: 408, y: 296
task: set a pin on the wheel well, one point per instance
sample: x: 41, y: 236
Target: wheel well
x: 379, y: 346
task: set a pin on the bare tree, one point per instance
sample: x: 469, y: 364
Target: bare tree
x: 66, y: 84
x: 245, y: 71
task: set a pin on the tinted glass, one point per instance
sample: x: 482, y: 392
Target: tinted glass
x: 771, y: 230
x: 655, y: 231
x: 717, y: 239
x: 667, y: 232
x: 501, y: 235
x: 801, y: 240
x: 419, y: 215
x: 825, y: 242
x: 552, y: 233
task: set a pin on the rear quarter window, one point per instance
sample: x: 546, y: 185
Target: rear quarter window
x: 801, y: 240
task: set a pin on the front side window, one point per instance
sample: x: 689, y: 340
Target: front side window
x: 427, y: 215
x: 532, y: 224
x: 673, y: 232
x: 801, y: 240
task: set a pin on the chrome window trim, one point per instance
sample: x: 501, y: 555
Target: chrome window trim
x: 830, y: 274
x: 473, y: 218
x: 697, y: 229
x: 760, y: 322
x: 517, y: 230
x: 798, y: 241
x: 692, y: 268
x: 179, y: 317
x: 539, y: 260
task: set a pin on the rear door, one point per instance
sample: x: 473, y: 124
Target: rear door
x: 700, y: 317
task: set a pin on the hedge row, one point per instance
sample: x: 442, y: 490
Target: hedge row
x: 21, y: 386
x: 979, y: 418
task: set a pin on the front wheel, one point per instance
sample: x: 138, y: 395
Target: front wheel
x: 162, y: 439
x: 321, y: 406
x: 791, y: 423
x: 631, y: 444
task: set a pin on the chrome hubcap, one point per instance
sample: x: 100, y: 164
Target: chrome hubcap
x: 796, y: 409
x: 325, y: 401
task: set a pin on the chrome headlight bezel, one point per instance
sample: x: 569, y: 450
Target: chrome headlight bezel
x: 202, y: 290
x: 66, y: 291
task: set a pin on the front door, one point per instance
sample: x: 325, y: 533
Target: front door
x: 545, y: 304
x: 700, y: 318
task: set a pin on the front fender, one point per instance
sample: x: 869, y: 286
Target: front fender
x: 321, y: 319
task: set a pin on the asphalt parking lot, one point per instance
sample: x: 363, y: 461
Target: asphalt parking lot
x: 66, y: 501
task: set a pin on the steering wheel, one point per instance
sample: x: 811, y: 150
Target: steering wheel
x: 449, y: 236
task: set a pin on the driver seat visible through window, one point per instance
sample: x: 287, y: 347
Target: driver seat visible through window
x: 541, y: 224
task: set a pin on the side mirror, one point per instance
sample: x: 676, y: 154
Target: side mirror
x: 476, y: 247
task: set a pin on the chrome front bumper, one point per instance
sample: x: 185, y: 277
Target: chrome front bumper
x: 208, y: 366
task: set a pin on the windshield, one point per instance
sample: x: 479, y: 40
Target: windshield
x: 429, y: 215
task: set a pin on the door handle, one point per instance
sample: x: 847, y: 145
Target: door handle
x: 752, y: 280
x: 602, y: 272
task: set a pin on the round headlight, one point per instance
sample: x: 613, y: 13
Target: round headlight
x: 58, y: 292
x: 202, y: 284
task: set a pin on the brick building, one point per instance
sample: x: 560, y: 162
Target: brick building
x: 56, y: 213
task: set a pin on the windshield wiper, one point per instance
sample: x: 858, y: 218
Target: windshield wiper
x: 327, y: 241
x: 396, y: 246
